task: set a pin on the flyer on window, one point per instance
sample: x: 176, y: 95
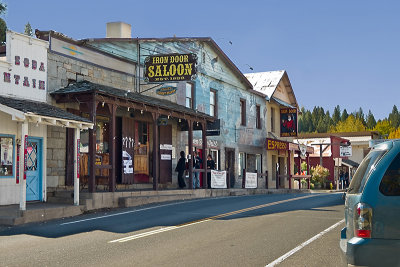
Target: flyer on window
x: 6, y: 151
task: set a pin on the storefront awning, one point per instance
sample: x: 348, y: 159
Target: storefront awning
x: 41, y: 113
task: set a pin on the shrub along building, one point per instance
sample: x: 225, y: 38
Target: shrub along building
x: 144, y: 116
x: 25, y: 118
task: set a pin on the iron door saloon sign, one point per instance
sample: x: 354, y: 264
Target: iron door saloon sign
x: 170, y: 68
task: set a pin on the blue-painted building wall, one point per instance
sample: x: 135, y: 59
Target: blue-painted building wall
x: 213, y: 72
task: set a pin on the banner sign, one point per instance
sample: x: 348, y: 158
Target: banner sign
x: 77, y: 156
x: 18, y: 153
x: 251, y: 180
x: 288, y: 122
x: 218, y: 179
x: 166, y: 91
x: 25, y: 154
x: 273, y: 144
x: 170, y: 68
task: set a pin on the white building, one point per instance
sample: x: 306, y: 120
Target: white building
x: 24, y: 116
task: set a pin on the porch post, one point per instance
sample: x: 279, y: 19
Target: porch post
x: 289, y: 162
x: 22, y: 165
x: 204, y: 147
x: 76, y: 165
x: 92, y: 147
x: 190, y: 141
x: 112, y: 150
x: 156, y: 151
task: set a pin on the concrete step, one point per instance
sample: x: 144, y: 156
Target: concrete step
x: 60, y: 200
x: 126, y: 202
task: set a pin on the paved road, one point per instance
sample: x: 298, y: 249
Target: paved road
x: 232, y: 231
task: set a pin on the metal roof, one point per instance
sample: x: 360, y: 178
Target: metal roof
x: 265, y: 82
x: 41, y: 112
x: 88, y: 87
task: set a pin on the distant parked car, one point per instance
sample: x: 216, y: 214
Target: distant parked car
x: 371, y: 236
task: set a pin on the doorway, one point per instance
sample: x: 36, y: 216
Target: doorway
x: 230, y: 165
x: 34, y: 169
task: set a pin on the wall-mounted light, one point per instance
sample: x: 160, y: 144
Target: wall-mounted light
x: 102, y: 104
x: 141, y: 111
x: 168, y: 116
x: 128, y: 108
x: 197, y: 123
x: 180, y: 120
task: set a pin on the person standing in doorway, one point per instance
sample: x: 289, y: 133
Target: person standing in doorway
x: 180, y: 168
x: 210, y: 166
x: 196, y: 165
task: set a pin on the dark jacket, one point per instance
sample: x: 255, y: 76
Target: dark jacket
x: 196, y: 162
x: 211, y: 164
x: 181, y: 166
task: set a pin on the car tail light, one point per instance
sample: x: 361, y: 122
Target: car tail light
x: 362, y: 220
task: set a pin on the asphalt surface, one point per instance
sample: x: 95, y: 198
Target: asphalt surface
x: 231, y: 231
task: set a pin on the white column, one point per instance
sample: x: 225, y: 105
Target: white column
x: 76, y: 166
x: 22, y: 179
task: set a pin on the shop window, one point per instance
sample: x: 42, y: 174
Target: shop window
x: 242, y: 163
x: 215, y: 156
x: 189, y: 95
x: 258, y: 163
x: 243, y: 112
x: 7, y: 156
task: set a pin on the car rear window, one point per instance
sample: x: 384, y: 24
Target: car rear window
x: 390, y: 183
x: 363, y: 171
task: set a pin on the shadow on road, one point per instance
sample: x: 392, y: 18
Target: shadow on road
x: 172, y: 214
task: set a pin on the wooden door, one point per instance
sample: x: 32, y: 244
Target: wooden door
x: 166, y: 154
x: 69, y: 178
x: 127, y: 150
x: 230, y: 165
x: 141, y: 152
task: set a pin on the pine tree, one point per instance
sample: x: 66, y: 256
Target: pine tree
x: 394, y: 117
x: 28, y: 29
x: 371, y: 122
x: 360, y: 115
x: 344, y: 116
x: 336, y: 115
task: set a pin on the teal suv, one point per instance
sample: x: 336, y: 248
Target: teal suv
x: 371, y: 236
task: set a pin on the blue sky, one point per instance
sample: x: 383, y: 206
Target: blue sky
x: 342, y: 52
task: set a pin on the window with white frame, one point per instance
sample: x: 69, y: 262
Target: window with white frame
x: 215, y: 156
x: 7, y: 149
x: 213, y: 103
x: 189, y: 95
x: 242, y: 162
x: 258, y: 163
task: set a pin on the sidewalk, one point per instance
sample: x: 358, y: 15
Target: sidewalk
x: 43, y: 211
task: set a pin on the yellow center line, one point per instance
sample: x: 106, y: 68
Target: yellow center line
x: 170, y: 228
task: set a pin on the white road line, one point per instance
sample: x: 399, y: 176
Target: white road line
x: 302, y: 245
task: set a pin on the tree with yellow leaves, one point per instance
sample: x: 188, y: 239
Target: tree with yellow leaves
x: 351, y: 124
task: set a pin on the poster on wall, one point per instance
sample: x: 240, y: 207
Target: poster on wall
x: 170, y: 68
x: 6, y: 151
x: 288, y: 122
x: 251, y: 180
x: 218, y: 179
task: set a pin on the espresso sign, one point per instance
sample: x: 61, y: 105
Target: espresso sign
x: 273, y: 144
x: 170, y: 68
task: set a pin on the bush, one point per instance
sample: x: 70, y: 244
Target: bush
x: 319, y: 174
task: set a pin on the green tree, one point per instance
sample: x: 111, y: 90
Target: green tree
x: 394, y: 117
x: 360, y: 115
x: 344, y: 116
x: 371, y: 122
x: 383, y: 127
x: 336, y: 115
x: 28, y: 29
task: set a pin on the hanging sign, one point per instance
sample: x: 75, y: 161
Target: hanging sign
x: 251, y: 180
x: 218, y: 179
x: 170, y: 68
x: 166, y: 91
x: 288, y: 122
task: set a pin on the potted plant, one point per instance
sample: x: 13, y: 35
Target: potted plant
x: 318, y: 175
